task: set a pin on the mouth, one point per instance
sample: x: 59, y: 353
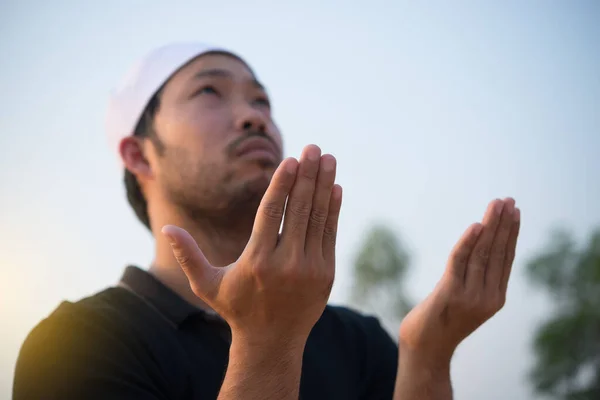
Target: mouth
x: 258, y: 149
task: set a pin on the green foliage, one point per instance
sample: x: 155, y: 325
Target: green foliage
x: 379, y: 271
x: 567, y: 346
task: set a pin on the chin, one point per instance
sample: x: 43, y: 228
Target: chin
x: 253, y: 179
x: 247, y: 194
x: 260, y: 181
x: 257, y: 171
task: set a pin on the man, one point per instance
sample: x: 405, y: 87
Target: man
x: 233, y: 307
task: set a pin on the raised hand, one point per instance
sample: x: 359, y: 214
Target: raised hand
x: 472, y: 289
x: 279, y: 286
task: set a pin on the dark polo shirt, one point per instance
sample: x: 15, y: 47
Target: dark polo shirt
x: 140, y: 340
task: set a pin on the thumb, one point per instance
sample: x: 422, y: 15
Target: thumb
x: 203, y: 277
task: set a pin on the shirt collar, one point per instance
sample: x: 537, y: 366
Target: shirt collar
x: 164, y: 300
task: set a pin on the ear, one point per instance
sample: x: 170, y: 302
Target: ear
x: 132, y: 153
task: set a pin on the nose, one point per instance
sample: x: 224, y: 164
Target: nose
x: 251, y: 120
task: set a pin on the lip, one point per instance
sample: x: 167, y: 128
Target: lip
x: 257, y: 148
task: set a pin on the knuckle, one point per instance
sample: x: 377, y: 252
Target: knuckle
x: 330, y: 276
x: 313, y: 274
x: 489, y: 310
x: 499, y: 253
x: 506, y: 226
x: 254, y: 253
x: 499, y: 301
x: 295, y: 259
x: 475, y: 302
x: 471, y: 299
x: 308, y: 173
x: 272, y: 211
x: 183, y: 258
x: 282, y: 182
x: 260, y: 269
x: 330, y: 238
x: 318, y: 216
x: 482, y: 254
x: 510, y: 255
x: 330, y: 232
x: 300, y: 209
x: 328, y: 287
x: 487, y: 306
x: 479, y: 305
x: 321, y: 278
x: 460, y: 256
x: 460, y: 304
x: 490, y: 306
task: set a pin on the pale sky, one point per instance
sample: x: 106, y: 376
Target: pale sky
x: 431, y: 110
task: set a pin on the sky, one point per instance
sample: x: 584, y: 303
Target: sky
x: 431, y: 108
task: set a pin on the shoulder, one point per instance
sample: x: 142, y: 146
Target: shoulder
x: 79, y: 326
x: 104, y: 312
x: 107, y: 318
x: 69, y: 316
x: 78, y: 345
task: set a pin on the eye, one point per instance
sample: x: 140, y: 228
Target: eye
x: 207, y: 90
x: 263, y: 101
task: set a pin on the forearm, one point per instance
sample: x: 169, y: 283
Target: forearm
x: 263, y: 372
x: 422, y: 380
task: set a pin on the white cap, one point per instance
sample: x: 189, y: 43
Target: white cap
x: 128, y: 101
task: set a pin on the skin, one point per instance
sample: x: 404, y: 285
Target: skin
x: 216, y: 218
x: 194, y: 182
x: 471, y: 291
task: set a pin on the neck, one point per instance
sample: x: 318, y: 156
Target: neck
x: 221, y: 244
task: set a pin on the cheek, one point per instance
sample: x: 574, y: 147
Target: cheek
x: 212, y: 126
x: 199, y: 130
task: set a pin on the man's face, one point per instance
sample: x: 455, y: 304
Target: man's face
x: 221, y: 146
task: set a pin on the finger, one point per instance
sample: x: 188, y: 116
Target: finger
x: 331, y: 225
x: 271, y: 208
x: 511, y: 247
x: 495, y: 268
x: 457, y: 263
x: 299, y: 203
x: 478, y: 260
x: 320, y: 204
x: 204, y: 278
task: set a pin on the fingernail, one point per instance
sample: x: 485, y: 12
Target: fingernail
x: 509, y: 207
x: 291, y: 165
x: 313, y: 153
x: 517, y: 215
x: 169, y: 239
x: 337, y: 191
x: 165, y: 232
x: 498, y: 207
x: 328, y: 163
x: 477, y: 229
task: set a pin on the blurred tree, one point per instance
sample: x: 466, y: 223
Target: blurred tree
x: 567, y: 345
x: 379, y: 271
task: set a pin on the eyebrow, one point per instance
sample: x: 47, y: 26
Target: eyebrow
x: 222, y: 73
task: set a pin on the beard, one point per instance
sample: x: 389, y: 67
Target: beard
x: 213, y: 193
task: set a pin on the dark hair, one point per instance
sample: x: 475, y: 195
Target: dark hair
x: 144, y: 129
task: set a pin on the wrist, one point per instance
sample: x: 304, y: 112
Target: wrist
x: 260, y: 367
x: 427, y: 363
x: 422, y: 376
x: 267, y: 345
